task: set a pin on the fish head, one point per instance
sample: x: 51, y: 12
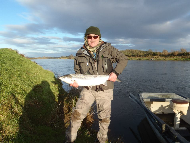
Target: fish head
x: 67, y: 78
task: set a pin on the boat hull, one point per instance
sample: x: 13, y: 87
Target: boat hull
x: 158, y: 105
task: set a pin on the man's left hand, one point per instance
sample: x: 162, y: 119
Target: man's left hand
x: 112, y: 77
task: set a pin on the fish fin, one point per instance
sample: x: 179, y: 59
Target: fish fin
x: 106, y: 83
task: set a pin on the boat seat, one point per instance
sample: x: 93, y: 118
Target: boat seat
x: 179, y: 107
x: 156, y: 99
x: 180, y: 101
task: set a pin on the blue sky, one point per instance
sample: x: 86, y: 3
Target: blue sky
x: 38, y: 28
x: 11, y: 13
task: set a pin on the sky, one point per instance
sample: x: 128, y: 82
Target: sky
x: 56, y: 28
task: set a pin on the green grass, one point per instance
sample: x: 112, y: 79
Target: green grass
x: 33, y: 106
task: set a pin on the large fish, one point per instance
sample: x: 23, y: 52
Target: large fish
x: 86, y: 80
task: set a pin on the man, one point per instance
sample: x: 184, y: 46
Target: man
x: 95, y: 57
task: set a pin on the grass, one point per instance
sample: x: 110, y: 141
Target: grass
x: 33, y: 105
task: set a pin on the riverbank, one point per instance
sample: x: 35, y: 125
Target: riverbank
x: 155, y: 58
x: 158, y: 58
x: 34, y: 106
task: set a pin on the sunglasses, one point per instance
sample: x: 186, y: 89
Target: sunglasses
x: 90, y: 37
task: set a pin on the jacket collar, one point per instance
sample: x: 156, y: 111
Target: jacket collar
x: 86, y: 49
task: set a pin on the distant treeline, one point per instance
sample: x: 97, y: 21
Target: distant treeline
x: 181, y: 54
x: 62, y: 57
x: 149, y: 53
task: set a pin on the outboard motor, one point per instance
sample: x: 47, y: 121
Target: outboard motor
x: 179, y: 107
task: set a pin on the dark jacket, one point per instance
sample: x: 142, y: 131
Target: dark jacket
x: 106, y: 55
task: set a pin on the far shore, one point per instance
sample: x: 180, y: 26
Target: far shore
x: 180, y: 55
x: 49, y: 58
x: 159, y: 58
x: 154, y: 58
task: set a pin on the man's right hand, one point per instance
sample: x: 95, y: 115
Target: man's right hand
x: 74, y: 84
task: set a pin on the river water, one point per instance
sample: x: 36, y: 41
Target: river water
x: 137, y: 77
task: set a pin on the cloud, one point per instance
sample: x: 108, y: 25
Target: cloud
x: 75, y: 16
x: 69, y: 39
x: 22, y: 41
x: 138, y: 24
x: 26, y: 29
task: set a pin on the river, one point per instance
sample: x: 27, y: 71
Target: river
x: 137, y: 77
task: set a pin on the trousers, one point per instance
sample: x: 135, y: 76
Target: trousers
x: 87, y: 97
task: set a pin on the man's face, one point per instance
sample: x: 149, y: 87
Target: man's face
x: 93, y: 40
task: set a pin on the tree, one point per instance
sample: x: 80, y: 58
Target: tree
x: 150, y: 52
x: 165, y: 52
x: 175, y: 53
x: 183, y: 50
x: 71, y: 56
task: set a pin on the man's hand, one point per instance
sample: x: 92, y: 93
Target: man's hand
x: 74, y: 84
x: 112, y: 77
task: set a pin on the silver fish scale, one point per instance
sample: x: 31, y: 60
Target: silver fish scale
x: 85, y: 80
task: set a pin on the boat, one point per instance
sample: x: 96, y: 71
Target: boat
x: 168, y: 114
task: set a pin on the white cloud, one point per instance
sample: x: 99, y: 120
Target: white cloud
x: 22, y: 41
